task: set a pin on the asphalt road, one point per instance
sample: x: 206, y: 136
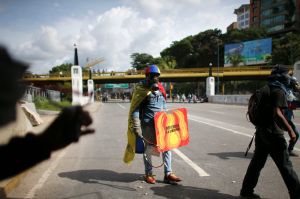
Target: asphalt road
x: 211, y: 166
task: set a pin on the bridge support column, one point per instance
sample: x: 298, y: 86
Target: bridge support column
x: 90, y: 84
x: 210, y: 86
x: 76, y: 74
x: 223, y: 88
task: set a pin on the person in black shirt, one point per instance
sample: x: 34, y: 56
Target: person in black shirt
x: 269, y: 140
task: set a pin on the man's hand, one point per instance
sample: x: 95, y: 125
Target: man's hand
x: 292, y: 136
x: 137, y: 127
x: 67, y: 128
x: 288, y: 127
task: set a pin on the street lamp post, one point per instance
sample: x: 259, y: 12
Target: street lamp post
x: 210, y: 70
x: 218, y: 80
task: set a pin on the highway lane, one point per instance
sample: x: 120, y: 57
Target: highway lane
x: 93, y: 168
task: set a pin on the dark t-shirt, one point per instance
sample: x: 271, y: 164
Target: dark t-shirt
x: 278, y: 100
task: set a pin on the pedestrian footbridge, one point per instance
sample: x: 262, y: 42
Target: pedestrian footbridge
x: 173, y: 75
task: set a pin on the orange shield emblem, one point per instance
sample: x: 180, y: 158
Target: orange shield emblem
x: 171, y: 129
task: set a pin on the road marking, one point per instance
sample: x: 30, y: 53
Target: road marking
x: 213, y: 123
x: 45, y: 175
x: 123, y: 107
x: 200, y: 171
x: 218, y: 112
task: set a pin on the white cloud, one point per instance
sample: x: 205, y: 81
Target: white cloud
x: 43, y: 50
x: 48, y: 41
x: 144, y: 27
x: 122, y: 31
x: 116, y: 31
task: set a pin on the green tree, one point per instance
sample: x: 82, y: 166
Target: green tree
x: 235, y: 59
x: 206, y: 45
x: 286, y: 49
x: 196, y: 51
x: 180, y: 50
x: 142, y: 60
x: 166, y: 63
x: 66, y: 67
x: 235, y: 36
x: 268, y: 59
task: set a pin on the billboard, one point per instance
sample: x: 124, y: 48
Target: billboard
x: 248, y: 53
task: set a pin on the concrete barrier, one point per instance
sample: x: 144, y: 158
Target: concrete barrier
x: 16, y: 128
x: 19, y: 128
x: 229, y: 99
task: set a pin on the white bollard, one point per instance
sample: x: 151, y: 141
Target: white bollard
x: 210, y: 86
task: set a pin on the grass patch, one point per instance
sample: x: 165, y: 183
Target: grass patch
x: 45, y: 104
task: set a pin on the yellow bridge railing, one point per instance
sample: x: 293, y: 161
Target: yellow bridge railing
x: 244, y: 72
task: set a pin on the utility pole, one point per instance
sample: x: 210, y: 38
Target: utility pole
x: 218, y: 83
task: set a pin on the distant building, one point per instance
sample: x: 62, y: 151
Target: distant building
x: 243, y: 16
x: 232, y: 26
x: 298, y: 15
x: 278, y: 16
x: 255, y: 13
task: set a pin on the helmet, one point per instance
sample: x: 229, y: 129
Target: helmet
x: 152, y: 69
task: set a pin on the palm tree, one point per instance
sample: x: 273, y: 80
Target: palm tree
x: 235, y: 59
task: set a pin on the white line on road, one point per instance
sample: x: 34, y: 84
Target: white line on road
x: 45, y: 175
x: 123, y: 107
x: 200, y: 171
x: 212, y: 123
x: 218, y: 112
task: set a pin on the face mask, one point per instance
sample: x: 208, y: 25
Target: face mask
x: 152, y: 79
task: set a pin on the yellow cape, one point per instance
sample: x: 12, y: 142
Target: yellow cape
x: 139, y: 94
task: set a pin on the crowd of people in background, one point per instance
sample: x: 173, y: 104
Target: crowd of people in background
x: 176, y: 98
x: 189, y: 98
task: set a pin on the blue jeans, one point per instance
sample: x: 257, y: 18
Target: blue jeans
x: 167, y: 159
x: 148, y: 132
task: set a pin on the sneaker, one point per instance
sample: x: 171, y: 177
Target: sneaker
x: 171, y: 179
x: 249, y: 195
x: 291, y: 153
x: 149, y: 179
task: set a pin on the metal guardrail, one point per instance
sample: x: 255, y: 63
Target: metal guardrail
x: 31, y: 92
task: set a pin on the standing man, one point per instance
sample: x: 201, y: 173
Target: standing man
x: 149, y: 97
x: 269, y: 139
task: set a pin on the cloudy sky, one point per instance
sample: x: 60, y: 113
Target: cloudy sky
x: 42, y: 32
